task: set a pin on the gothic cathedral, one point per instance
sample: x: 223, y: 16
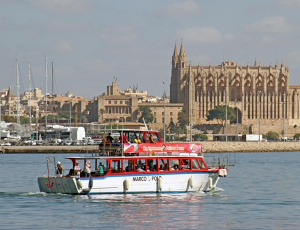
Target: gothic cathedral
x: 255, y: 92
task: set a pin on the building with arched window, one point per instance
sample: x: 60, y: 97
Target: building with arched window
x: 255, y: 92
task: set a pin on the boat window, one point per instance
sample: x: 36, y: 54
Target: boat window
x: 132, y: 136
x: 174, y: 164
x: 164, y: 165
x: 141, y: 165
x: 143, y: 138
x: 185, y: 164
x: 155, y: 165
x: 150, y: 165
x: 195, y: 164
x: 104, y: 164
x: 156, y: 137
x: 116, y: 166
x: 202, y: 165
x: 129, y: 165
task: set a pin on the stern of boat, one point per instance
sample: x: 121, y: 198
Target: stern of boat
x: 64, y: 185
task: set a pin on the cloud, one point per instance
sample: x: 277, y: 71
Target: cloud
x: 289, y: 3
x: 68, y: 26
x: 182, y: 8
x: 65, y: 6
x: 273, y: 25
x: 119, y: 35
x: 96, y: 65
x: 203, y: 35
x: 63, y: 47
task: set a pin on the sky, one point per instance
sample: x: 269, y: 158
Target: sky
x: 91, y: 42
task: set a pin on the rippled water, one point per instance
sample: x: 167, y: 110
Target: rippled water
x: 260, y: 192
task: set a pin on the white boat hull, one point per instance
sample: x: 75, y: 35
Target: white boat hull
x: 180, y: 182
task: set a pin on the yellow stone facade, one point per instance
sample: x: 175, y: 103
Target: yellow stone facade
x: 255, y: 92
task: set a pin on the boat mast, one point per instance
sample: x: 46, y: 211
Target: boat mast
x: 46, y: 96
x: 30, y: 118
x: 52, y: 93
x: 18, y: 92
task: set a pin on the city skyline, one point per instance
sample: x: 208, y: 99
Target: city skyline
x: 91, y: 42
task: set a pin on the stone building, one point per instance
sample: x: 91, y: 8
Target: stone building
x: 159, y: 108
x: 255, y: 92
x: 118, y: 105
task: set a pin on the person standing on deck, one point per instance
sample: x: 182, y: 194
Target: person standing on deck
x: 59, y: 169
x: 87, y: 169
x: 77, y: 169
x: 123, y: 138
x: 109, y: 138
x: 101, y: 169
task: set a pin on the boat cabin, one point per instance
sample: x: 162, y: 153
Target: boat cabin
x: 139, y: 165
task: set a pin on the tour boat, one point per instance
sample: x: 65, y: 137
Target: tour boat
x: 147, y: 167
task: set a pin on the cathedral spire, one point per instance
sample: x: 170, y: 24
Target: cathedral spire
x: 182, y: 56
x: 175, y: 56
x: 182, y: 53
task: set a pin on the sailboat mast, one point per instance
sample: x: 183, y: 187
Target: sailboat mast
x: 46, y: 96
x: 52, y: 93
x: 30, y: 118
x: 18, y: 92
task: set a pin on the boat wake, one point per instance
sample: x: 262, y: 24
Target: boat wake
x: 27, y: 194
x: 138, y: 198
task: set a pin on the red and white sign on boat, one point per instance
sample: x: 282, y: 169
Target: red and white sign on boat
x: 162, y: 147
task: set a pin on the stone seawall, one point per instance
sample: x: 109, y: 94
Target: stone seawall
x: 215, y: 147
x: 50, y: 149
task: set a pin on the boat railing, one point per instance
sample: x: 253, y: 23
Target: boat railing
x: 222, y: 160
x: 161, y: 154
x: 109, y: 149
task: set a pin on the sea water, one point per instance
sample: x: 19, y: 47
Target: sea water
x: 260, y: 192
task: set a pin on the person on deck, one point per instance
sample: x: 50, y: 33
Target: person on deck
x: 101, y: 169
x: 87, y: 169
x: 59, y: 169
x: 137, y: 140
x: 139, y: 169
x: 77, y: 169
x: 123, y: 138
x: 151, y: 139
x: 109, y: 138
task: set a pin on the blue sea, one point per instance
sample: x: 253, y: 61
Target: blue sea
x: 262, y: 191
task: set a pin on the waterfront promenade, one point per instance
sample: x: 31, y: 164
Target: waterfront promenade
x: 207, y: 146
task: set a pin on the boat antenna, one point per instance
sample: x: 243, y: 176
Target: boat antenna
x: 145, y: 124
